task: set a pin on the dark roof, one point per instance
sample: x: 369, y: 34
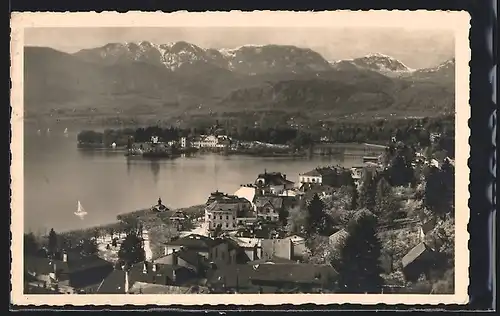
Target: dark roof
x: 178, y: 215
x: 275, y: 260
x: 276, y: 202
x: 415, y: 253
x: 114, y: 283
x: 191, y: 257
x: 247, y: 275
x: 274, y: 178
x: 40, y: 265
x: 193, y: 241
x: 429, y: 225
x: 321, y: 171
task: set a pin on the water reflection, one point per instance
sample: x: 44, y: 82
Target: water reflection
x: 154, y: 165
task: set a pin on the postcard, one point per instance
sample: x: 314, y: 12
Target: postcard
x: 239, y: 158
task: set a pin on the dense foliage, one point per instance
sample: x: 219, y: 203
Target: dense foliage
x: 359, y: 267
x: 413, y: 132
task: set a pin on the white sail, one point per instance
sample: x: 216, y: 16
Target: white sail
x: 66, y: 132
x: 80, y: 210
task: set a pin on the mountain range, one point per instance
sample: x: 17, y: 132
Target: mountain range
x: 175, y: 78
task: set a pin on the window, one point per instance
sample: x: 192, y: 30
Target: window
x: 221, y: 217
x: 227, y: 225
x: 227, y: 217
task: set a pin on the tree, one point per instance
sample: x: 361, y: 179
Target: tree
x: 354, y: 198
x: 439, y: 190
x: 31, y: 245
x: 359, y: 266
x: 131, y: 250
x: 387, y: 207
x: 89, y: 247
x: 367, y: 191
x: 317, y: 219
x: 53, y: 245
x: 296, y: 221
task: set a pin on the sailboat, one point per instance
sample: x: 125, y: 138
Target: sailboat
x: 66, y: 132
x: 39, y: 132
x: 80, y: 212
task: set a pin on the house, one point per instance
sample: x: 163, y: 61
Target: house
x: 273, y: 278
x: 417, y: 261
x: 357, y: 174
x: 226, y: 215
x: 178, y: 219
x: 227, y: 212
x: 187, y: 258
x: 311, y: 189
x: 148, y: 288
x: 227, y: 252
x: 276, y: 248
x: 426, y: 226
x: 269, y: 207
x: 154, y: 273
x: 212, y: 141
x: 72, y: 272
x: 434, y: 137
x: 250, y: 246
x: 326, y: 175
x: 299, y: 246
x: 247, y: 192
x: 273, y: 182
x: 337, y: 242
x: 198, y: 243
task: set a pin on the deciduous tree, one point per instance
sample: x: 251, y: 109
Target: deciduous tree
x: 131, y: 250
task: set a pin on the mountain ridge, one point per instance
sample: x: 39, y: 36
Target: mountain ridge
x: 137, y: 80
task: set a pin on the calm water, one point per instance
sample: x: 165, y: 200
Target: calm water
x: 57, y: 175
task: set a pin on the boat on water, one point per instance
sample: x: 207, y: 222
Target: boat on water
x: 80, y: 212
x: 66, y: 132
x: 39, y: 132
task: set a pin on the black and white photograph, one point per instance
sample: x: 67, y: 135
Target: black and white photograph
x: 240, y: 153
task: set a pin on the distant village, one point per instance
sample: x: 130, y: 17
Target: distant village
x: 242, y: 243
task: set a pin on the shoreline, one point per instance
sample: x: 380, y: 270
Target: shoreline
x: 141, y: 215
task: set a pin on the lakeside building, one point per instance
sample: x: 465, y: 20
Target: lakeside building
x: 228, y: 213
x: 322, y: 175
x: 273, y: 183
x: 211, y: 141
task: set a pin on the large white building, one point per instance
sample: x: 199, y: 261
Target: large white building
x: 212, y: 141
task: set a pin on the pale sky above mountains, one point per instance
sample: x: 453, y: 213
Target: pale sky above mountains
x: 415, y: 48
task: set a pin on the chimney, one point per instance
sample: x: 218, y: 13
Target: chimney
x: 290, y: 250
x: 175, y: 258
x: 165, y: 251
x: 153, y: 268
x: 126, y: 282
x: 174, y: 276
x: 144, y: 268
x: 65, y: 257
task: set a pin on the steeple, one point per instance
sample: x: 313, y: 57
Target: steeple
x: 159, y: 201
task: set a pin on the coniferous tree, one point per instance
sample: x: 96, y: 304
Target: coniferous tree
x: 367, y: 191
x: 317, y: 219
x: 31, y: 246
x: 131, y: 250
x: 53, y: 243
x: 359, y: 266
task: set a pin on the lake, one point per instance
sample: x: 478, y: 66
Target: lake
x: 58, y: 175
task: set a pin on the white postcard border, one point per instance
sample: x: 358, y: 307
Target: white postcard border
x: 457, y: 21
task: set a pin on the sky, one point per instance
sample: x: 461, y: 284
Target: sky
x: 416, y: 48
